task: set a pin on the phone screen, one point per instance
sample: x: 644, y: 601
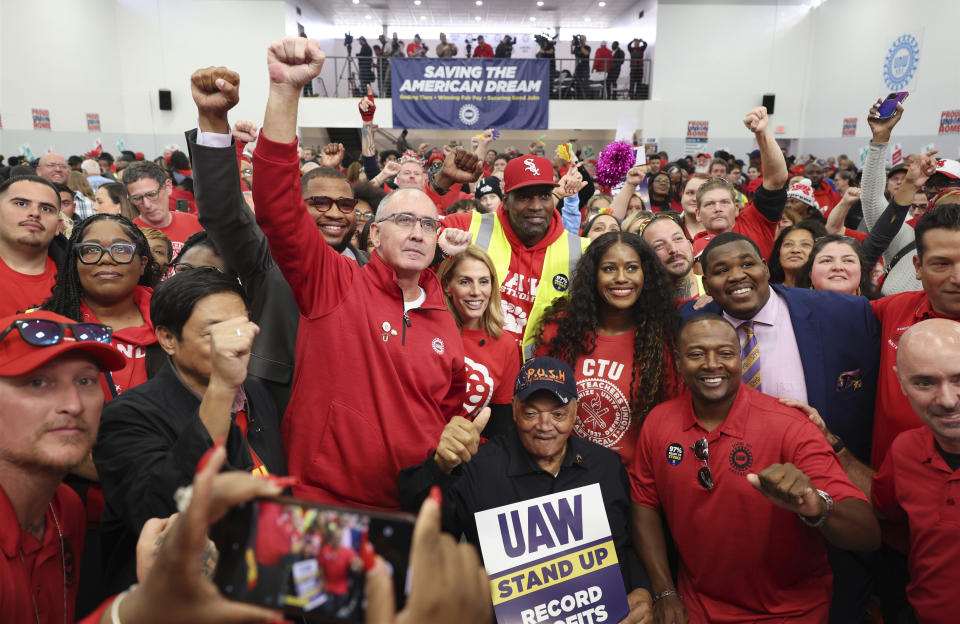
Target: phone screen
x: 889, y: 105
x: 308, y: 560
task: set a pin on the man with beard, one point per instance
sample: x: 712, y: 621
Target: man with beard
x: 223, y: 210
x: 665, y: 236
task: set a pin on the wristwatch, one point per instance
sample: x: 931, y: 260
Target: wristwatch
x: 839, y: 445
x: 436, y: 189
x: 820, y: 520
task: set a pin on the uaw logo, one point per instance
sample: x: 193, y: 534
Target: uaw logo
x: 469, y: 114
x: 531, y: 166
x: 901, y: 62
x: 741, y: 458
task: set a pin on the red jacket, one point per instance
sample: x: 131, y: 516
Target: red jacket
x: 483, y: 50
x: 601, y: 62
x: 826, y: 197
x: 373, y: 387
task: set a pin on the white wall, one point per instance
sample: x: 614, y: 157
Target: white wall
x: 713, y: 61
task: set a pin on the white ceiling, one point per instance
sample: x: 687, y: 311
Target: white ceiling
x: 460, y: 14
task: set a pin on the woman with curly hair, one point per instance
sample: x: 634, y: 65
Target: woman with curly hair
x: 616, y: 329
x: 470, y: 287
x: 791, y: 250
x: 106, y: 276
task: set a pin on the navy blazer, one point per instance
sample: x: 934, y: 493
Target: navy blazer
x: 838, y: 337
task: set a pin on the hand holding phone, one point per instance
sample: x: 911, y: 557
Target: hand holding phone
x: 888, y: 107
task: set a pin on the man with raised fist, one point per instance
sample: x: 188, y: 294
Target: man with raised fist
x: 379, y: 362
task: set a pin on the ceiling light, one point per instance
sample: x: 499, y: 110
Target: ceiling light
x: 416, y: 2
x: 601, y: 4
x: 533, y: 19
x: 356, y: 1
x: 367, y: 16
x: 586, y: 19
x: 479, y: 2
x: 539, y: 2
x: 423, y: 17
x: 478, y: 18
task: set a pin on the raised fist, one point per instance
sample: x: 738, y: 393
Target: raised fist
x: 391, y: 168
x: 634, y: 176
x: 230, y: 343
x: 332, y: 155
x: 756, y: 120
x: 922, y: 168
x: 453, y: 241
x: 571, y: 183
x: 245, y: 131
x: 215, y: 90
x: 366, y: 105
x: 294, y: 61
x: 459, y: 167
x: 460, y: 441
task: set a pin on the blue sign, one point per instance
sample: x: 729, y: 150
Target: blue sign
x: 901, y: 62
x: 463, y: 94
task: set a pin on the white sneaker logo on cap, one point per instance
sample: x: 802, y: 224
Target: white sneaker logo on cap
x: 531, y: 167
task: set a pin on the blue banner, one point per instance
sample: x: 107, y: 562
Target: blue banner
x: 464, y: 94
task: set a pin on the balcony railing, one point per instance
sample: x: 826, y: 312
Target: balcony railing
x: 341, y: 77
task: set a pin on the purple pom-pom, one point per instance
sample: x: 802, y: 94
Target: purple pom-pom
x: 614, y: 162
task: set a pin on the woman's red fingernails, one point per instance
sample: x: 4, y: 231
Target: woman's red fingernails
x: 436, y: 495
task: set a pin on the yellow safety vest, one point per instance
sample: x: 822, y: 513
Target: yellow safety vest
x: 561, y: 257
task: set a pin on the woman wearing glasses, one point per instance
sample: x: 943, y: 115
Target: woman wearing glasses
x: 470, y: 288
x: 791, y: 251
x: 616, y: 329
x: 837, y: 263
x: 107, y: 277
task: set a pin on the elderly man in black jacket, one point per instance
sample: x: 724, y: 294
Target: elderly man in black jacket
x: 152, y: 436
x: 225, y: 215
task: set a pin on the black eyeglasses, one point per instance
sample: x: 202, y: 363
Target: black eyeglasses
x: 151, y: 195
x: 46, y: 333
x: 121, y: 253
x: 701, y: 450
x: 180, y: 267
x: 322, y: 203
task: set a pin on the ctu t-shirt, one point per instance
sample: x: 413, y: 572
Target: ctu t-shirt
x: 179, y: 230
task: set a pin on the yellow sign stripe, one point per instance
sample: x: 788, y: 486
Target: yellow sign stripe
x: 552, y: 572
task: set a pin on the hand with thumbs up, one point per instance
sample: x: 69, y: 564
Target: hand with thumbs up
x: 460, y: 441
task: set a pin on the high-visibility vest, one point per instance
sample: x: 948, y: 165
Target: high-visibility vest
x: 558, y: 263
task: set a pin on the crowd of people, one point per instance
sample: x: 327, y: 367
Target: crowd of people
x: 752, y: 358
x: 373, y: 62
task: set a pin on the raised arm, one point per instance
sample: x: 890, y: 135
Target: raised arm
x: 874, y: 179
x: 622, y: 199
x: 772, y: 164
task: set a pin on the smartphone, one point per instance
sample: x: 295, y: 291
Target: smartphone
x: 889, y: 105
x: 309, y: 560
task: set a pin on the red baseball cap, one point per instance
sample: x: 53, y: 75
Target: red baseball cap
x: 17, y: 357
x: 700, y: 243
x: 527, y: 170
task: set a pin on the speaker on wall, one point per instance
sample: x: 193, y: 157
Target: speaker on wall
x: 165, y: 102
x: 768, y: 102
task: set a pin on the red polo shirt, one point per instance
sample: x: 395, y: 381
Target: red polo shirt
x: 892, y: 414
x: 916, y: 486
x: 34, y: 571
x: 752, y: 224
x: 743, y: 558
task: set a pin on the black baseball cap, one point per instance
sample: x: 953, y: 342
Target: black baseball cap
x: 897, y: 169
x: 546, y: 373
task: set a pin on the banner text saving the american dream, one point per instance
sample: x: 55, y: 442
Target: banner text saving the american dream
x: 470, y: 79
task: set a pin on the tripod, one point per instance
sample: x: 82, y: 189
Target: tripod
x: 350, y: 68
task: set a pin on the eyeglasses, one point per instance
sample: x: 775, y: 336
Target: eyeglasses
x: 406, y: 221
x: 322, y: 203
x: 718, y: 179
x: 62, y: 167
x: 701, y: 450
x: 366, y: 216
x: 46, y: 333
x: 152, y: 195
x: 180, y: 267
x: 121, y: 253
x: 66, y: 203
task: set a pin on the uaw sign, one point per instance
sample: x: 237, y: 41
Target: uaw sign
x: 950, y: 122
x: 902, y: 61
x: 552, y: 560
x: 463, y: 94
x: 849, y: 126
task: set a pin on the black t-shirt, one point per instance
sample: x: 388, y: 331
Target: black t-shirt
x: 952, y: 459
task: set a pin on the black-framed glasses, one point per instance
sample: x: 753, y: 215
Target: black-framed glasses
x: 701, y: 450
x: 121, y: 253
x: 180, y: 267
x: 322, y: 203
x: 46, y: 333
x: 406, y: 221
x: 151, y: 195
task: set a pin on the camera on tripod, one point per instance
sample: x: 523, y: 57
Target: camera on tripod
x: 348, y: 42
x: 545, y: 42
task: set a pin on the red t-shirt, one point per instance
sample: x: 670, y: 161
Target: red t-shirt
x: 604, y: 414
x: 181, y: 227
x: 892, y: 413
x: 483, y: 50
x: 916, y: 486
x: 752, y: 224
x: 276, y: 533
x: 22, y: 292
x: 132, y: 342
x: 492, y: 367
x: 413, y: 49
x: 743, y: 559
x: 335, y: 562
x: 40, y: 575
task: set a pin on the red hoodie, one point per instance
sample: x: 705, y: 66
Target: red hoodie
x: 518, y: 288
x: 373, y: 387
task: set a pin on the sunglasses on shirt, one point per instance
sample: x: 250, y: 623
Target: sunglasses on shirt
x: 47, y: 333
x: 701, y: 450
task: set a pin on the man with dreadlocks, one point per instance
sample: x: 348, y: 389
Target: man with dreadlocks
x: 616, y: 330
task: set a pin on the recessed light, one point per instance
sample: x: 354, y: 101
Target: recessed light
x: 356, y: 1
x: 586, y: 19
x: 540, y: 3
x: 368, y: 16
x: 533, y: 19
x: 479, y: 3
x: 423, y: 17
x: 601, y: 4
x: 416, y: 2
x: 478, y: 18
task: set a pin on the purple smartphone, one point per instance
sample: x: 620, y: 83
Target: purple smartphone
x: 889, y: 105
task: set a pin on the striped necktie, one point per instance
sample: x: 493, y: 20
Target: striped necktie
x: 750, y: 356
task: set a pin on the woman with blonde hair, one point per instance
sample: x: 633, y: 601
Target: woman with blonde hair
x: 470, y: 287
x: 76, y: 181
